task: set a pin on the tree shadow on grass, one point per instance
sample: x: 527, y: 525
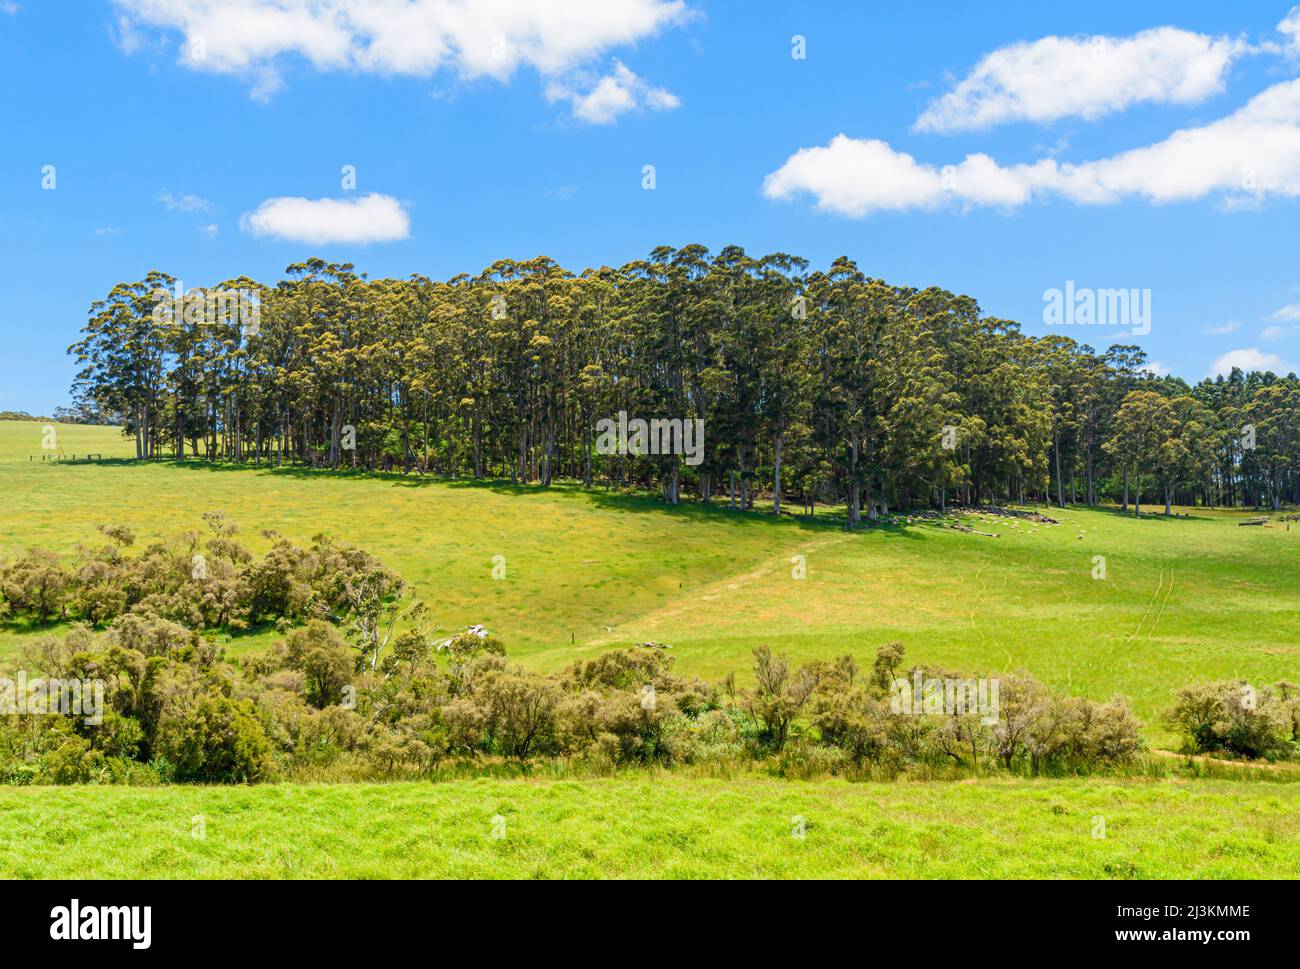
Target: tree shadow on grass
x: 26, y: 625
x: 1183, y: 513
x: 1114, y: 511
x: 715, y: 511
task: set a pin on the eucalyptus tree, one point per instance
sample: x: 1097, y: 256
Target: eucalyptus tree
x: 1141, y: 441
x: 123, y: 355
x: 833, y: 383
x: 1275, y: 413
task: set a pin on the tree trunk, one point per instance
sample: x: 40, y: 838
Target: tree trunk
x: 1092, y: 492
x: 776, y: 476
x: 1060, y: 488
x: 855, y: 487
x: 336, y: 425
x: 478, y: 444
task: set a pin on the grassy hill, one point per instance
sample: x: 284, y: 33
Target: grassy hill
x: 1184, y: 599
x: 26, y: 441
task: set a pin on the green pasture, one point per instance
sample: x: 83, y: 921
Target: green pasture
x: 1183, y: 599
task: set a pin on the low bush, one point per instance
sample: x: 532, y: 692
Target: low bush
x: 358, y: 687
x: 1233, y: 717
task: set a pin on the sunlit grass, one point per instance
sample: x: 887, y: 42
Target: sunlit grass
x: 664, y: 826
x: 1183, y: 600
x: 34, y: 441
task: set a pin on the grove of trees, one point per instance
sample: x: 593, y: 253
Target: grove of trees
x: 814, y: 386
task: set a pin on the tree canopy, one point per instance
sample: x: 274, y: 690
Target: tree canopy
x: 813, y: 385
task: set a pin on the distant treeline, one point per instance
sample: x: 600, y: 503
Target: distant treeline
x: 62, y: 415
x: 813, y: 386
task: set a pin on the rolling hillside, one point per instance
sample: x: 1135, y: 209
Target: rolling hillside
x: 1184, y: 599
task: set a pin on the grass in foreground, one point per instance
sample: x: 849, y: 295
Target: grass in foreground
x: 664, y: 826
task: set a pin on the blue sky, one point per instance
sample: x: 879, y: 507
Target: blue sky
x: 178, y: 129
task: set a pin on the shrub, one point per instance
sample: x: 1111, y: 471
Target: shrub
x: 73, y: 762
x: 149, y: 635
x: 779, y: 696
x: 414, y: 744
x: 326, y: 662
x: 1080, y: 731
x: 213, y: 739
x: 854, y: 719
x: 622, y: 669
x: 20, y: 773
x: 176, y: 711
x: 117, y: 736
x: 521, y: 710
x: 806, y: 761
x: 36, y: 583
x: 602, y: 756
x: 211, y: 582
x: 1233, y: 717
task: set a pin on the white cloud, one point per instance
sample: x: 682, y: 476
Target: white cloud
x: 1222, y: 330
x: 475, y: 38
x: 371, y: 218
x: 1087, y: 77
x: 211, y: 230
x: 1273, y: 333
x: 183, y: 202
x: 1290, y: 26
x: 1249, y: 155
x: 1158, y: 369
x: 1289, y: 312
x: 9, y: 7
x: 1248, y: 359
x: 614, y: 94
x: 854, y: 177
